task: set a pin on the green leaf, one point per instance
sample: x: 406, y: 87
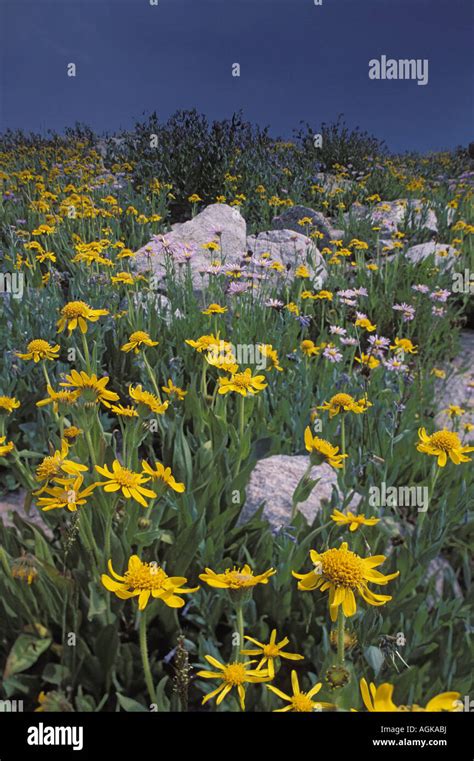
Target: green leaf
x: 130, y: 705
x: 374, y: 657
x: 25, y: 652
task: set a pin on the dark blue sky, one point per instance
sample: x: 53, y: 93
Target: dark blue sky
x: 298, y: 62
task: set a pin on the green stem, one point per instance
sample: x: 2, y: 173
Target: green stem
x: 108, y: 533
x: 340, y: 636
x: 86, y: 353
x: 239, y: 620
x: 241, y: 433
x: 145, y: 661
x: 152, y: 377
x: 343, y: 439
x: 434, y: 478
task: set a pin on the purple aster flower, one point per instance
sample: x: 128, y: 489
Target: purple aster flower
x: 440, y: 295
x: 274, y: 304
x: 349, y: 341
x: 236, y: 288
x: 336, y: 330
x: 331, y: 353
x: 407, y: 310
x: 379, y: 342
x: 395, y: 366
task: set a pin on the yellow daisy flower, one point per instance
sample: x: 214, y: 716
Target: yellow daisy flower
x: 236, y: 579
x: 231, y: 675
x: 68, y: 494
x: 78, y: 313
x: 379, y: 699
x: 404, y: 345
x: 214, y: 309
x: 353, y: 521
x: 53, y: 465
x: 342, y: 573
x: 208, y: 342
x: 137, y: 340
x: 269, y: 652
x: 454, y: 410
x: 125, y: 480
x: 299, y: 702
x: 8, y: 404
x: 5, y: 448
x: 345, y: 403
x: 72, y: 432
x: 148, y: 399
x: 172, y: 390
x: 322, y: 451
x: 271, y: 354
x: 364, y: 322
x: 309, y: 348
x: 59, y: 397
x: 38, y: 350
x: 145, y: 580
x: 242, y: 383
x: 368, y: 360
x: 163, y: 474
x: 302, y: 271
x: 123, y: 411
x: 443, y: 444
x: 90, y: 388
x: 122, y: 277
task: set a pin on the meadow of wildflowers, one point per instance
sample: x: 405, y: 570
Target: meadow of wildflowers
x: 131, y: 420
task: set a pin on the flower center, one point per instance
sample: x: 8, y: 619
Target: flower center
x: 146, y: 577
x: 271, y: 651
x: 127, y: 478
x: 241, y: 380
x: 322, y: 446
x: 234, y: 673
x: 139, y: 336
x: 445, y: 440
x: 38, y: 345
x: 301, y: 703
x: 237, y: 579
x: 342, y: 400
x: 343, y: 567
x: 49, y: 467
x: 75, y: 309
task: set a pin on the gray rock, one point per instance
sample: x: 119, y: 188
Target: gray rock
x: 455, y: 388
x: 288, y: 220
x: 14, y: 503
x: 444, y: 254
x: 218, y: 222
x: 445, y: 581
x: 331, y: 182
x: 273, y: 482
x: 289, y: 248
x: 404, y: 210
x: 389, y: 215
x: 154, y: 301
